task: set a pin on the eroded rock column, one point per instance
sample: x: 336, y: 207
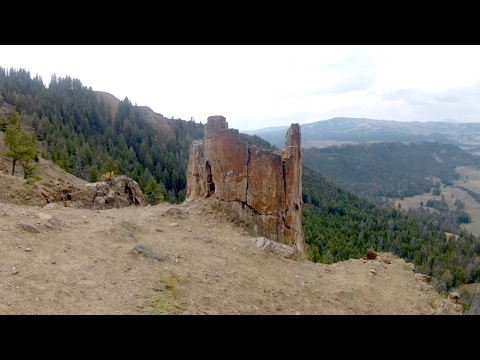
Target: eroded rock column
x: 292, y: 165
x: 257, y: 186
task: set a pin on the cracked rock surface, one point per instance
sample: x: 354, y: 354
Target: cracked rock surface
x: 260, y: 187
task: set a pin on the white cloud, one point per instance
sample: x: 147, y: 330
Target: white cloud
x: 259, y: 86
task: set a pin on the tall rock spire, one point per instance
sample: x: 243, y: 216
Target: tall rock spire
x: 257, y: 186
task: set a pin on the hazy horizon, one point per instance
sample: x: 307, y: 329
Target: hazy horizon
x: 261, y: 86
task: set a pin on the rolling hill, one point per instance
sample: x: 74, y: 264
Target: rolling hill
x: 358, y: 130
x: 390, y: 169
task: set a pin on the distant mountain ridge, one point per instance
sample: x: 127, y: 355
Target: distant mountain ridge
x: 267, y: 129
x: 357, y: 130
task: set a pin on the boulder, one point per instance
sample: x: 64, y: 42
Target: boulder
x: 269, y: 245
x: 453, y: 296
x: 118, y: 192
x: 371, y: 255
x: 28, y: 227
x: 140, y: 249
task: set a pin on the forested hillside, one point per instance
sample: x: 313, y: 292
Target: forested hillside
x: 340, y: 225
x: 389, y: 169
x: 82, y: 136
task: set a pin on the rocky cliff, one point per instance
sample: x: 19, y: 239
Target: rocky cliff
x: 257, y: 186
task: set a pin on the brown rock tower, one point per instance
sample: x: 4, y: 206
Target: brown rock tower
x: 257, y: 186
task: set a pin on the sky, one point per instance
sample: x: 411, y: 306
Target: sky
x: 262, y: 86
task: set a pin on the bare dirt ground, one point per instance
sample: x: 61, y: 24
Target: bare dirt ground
x: 192, y: 259
x: 86, y: 264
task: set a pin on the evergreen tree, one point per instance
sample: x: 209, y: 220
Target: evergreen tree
x: 3, y: 123
x: 152, y: 192
x: 110, y: 166
x: 21, y: 148
x: 93, y: 173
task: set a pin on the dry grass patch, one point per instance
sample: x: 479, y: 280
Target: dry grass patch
x: 164, y: 297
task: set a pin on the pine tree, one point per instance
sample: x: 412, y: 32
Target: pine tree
x: 21, y: 148
x: 152, y: 192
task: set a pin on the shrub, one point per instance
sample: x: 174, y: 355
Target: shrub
x: 109, y: 175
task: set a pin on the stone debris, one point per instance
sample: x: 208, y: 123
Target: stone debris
x: 269, y: 245
x: 54, y: 223
x: 386, y: 260
x: 140, y: 249
x: 174, y: 210
x: 3, y: 211
x: 28, y: 227
x: 44, y: 216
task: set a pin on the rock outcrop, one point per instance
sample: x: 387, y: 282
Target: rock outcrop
x: 257, y: 186
x: 118, y: 192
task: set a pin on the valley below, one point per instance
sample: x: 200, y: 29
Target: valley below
x: 469, y: 179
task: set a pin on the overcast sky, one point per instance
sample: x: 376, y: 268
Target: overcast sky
x: 263, y: 85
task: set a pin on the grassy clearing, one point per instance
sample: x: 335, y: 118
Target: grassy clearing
x: 470, y: 179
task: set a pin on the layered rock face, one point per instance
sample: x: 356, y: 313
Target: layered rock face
x: 257, y: 186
